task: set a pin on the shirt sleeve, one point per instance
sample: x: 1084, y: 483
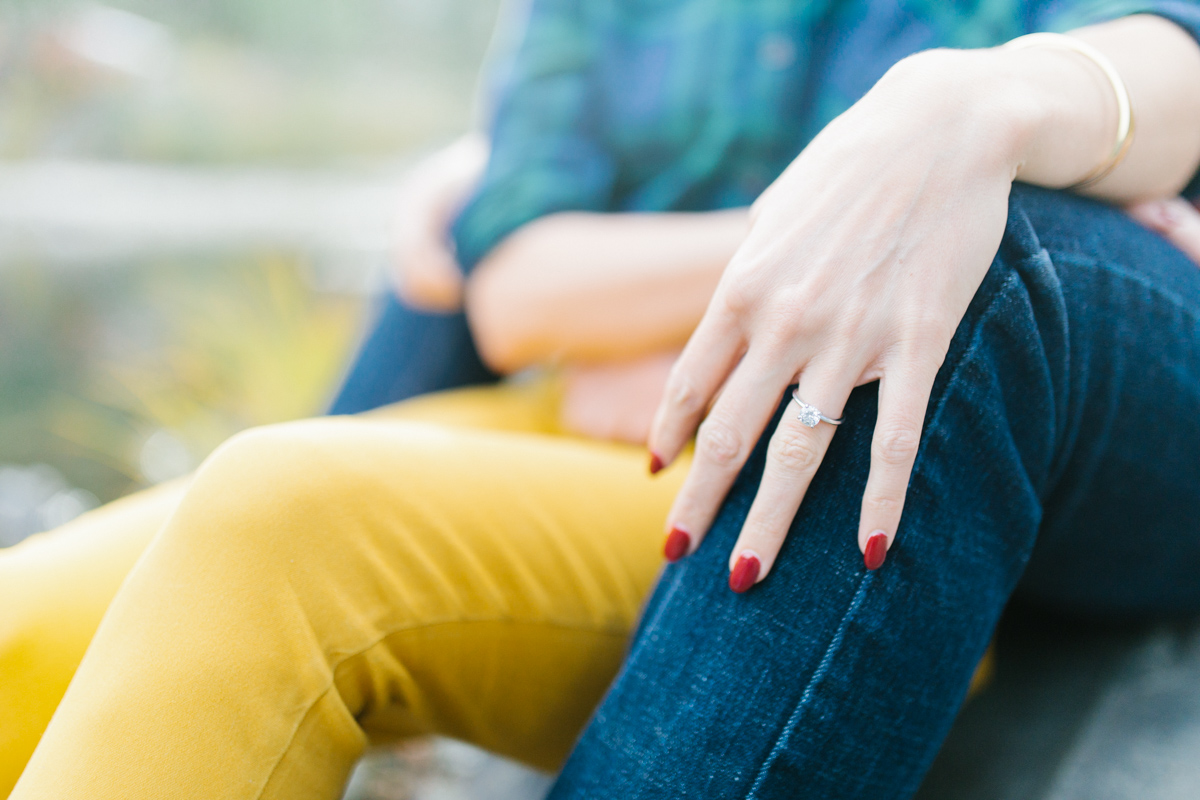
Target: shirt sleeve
x: 546, y: 154
x: 1184, y: 13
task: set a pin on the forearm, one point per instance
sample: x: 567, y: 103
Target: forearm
x: 597, y: 287
x: 1048, y: 116
x: 1075, y: 124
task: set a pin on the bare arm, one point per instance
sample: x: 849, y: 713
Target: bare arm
x: 596, y: 287
x: 424, y: 271
x: 864, y: 255
x: 1071, y: 109
x: 599, y: 287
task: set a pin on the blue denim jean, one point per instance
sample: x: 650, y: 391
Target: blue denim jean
x: 1060, y: 463
x: 410, y: 353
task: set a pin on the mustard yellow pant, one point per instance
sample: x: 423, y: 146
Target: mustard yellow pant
x: 452, y: 565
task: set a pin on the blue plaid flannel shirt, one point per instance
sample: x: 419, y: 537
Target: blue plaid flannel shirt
x: 691, y: 105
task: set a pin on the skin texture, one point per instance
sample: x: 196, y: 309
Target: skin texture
x: 864, y: 254
x: 588, y: 287
x: 616, y: 293
x: 612, y: 297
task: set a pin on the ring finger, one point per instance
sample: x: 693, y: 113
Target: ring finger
x: 793, y: 456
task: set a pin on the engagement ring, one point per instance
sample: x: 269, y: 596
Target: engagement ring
x: 809, y: 416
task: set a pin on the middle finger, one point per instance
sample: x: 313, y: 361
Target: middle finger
x: 723, y: 443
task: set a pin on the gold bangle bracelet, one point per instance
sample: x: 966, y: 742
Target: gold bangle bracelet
x: 1125, y: 126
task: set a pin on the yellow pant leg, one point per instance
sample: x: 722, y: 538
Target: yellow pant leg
x: 325, y: 580
x: 54, y: 588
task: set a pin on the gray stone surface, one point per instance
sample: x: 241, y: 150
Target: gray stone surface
x: 441, y: 769
x: 1075, y: 712
x: 1142, y: 739
x: 1080, y: 712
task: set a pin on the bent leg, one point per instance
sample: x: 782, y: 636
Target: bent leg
x: 54, y: 588
x: 326, y: 581
x: 830, y: 681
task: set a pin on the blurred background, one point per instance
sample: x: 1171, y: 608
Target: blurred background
x: 194, y: 208
x: 194, y: 200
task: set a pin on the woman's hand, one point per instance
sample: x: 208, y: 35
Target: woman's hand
x: 863, y: 256
x: 859, y: 266
x: 615, y: 402
x: 425, y: 272
x: 1176, y: 219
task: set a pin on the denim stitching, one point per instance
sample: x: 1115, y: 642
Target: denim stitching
x: 1002, y: 289
x: 822, y: 668
x: 835, y: 643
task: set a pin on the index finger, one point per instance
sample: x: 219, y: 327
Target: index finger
x: 703, y: 367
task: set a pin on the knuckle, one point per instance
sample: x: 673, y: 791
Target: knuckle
x: 920, y: 325
x: 883, y: 506
x: 896, y: 444
x: 763, y: 538
x: 684, y: 396
x: 924, y: 337
x: 783, y: 326
x: 718, y: 442
x: 796, y: 450
x: 737, y: 300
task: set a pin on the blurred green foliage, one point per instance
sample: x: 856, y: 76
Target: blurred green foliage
x: 95, y: 364
x: 119, y: 374
x: 300, y: 82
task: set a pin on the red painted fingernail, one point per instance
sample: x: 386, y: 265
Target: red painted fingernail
x: 677, y: 545
x: 745, y: 573
x: 876, y: 551
x: 656, y: 463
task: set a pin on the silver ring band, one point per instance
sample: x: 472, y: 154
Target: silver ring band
x: 809, y: 416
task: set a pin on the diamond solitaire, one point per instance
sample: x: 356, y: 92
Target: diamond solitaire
x: 809, y: 416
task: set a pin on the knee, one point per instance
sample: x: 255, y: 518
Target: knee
x: 264, y: 495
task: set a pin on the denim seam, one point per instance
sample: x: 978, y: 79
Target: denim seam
x: 860, y: 593
x: 969, y: 351
x: 967, y: 356
x: 809, y: 690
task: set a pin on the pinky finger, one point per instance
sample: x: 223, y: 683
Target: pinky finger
x: 903, y: 398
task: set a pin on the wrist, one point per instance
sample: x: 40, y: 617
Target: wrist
x: 973, y: 101
x: 1066, y: 112
x: 1040, y: 115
